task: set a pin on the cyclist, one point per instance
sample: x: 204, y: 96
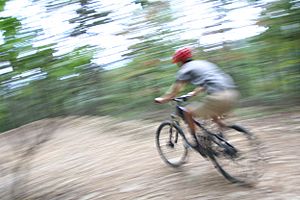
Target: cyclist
x: 207, y: 77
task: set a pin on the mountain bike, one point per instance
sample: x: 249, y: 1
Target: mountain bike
x: 234, y: 151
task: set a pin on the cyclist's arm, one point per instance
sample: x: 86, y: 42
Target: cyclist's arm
x: 175, y: 89
x: 196, y: 91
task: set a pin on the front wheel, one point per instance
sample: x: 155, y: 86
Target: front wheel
x: 171, y: 144
x: 237, y: 156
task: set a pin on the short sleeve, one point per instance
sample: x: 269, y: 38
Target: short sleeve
x: 183, y: 75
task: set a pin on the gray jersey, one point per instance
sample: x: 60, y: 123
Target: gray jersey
x: 205, y: 74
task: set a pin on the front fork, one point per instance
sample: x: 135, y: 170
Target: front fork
x: 173, y: 137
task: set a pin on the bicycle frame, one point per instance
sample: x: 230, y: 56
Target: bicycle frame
x: 212, y: 136
x: 210, y: 143
x: 199, y: 147
x: 180, y: 112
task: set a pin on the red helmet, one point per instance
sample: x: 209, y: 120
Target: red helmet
x: 181, y: 55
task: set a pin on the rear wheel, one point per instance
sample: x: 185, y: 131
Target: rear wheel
x: 236, y: 155
x: 170, y: 144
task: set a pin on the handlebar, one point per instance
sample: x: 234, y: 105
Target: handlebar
x: 182, y: 98
x: 179, y: 99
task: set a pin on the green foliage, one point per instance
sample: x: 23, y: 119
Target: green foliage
x: 9, y: 25
x: 265, y: 67
x: 279, y: 48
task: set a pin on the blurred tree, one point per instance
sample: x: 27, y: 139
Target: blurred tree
x: 37, y: 83
x: 148, y: 74
x: 279, y: 48
x: 32, y: 89
x: 88, y: 17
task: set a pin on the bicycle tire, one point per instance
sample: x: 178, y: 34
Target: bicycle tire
x: 254, y: 170
x: 173, y: 141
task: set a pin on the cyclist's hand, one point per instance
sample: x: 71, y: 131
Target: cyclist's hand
x: 160, y: 100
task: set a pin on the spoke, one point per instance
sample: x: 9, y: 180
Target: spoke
x: 172, y: 149
x: 243, y: 167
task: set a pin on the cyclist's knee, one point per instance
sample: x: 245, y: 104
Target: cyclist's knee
x: 189, y: 112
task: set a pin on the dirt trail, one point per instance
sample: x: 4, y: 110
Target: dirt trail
x: 97, y: 158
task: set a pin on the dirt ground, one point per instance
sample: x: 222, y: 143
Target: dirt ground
x: 99, y: 158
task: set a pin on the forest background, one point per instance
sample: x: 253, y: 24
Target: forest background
x: 88, y: 57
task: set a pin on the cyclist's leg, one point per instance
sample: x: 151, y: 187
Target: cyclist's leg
x: 200, y: 109
x: 189, y: 119
x: 222, y: 103
x: 191, y: 111
x: 188, y: 116
x: 221, y: 124
x: 215, y: 105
